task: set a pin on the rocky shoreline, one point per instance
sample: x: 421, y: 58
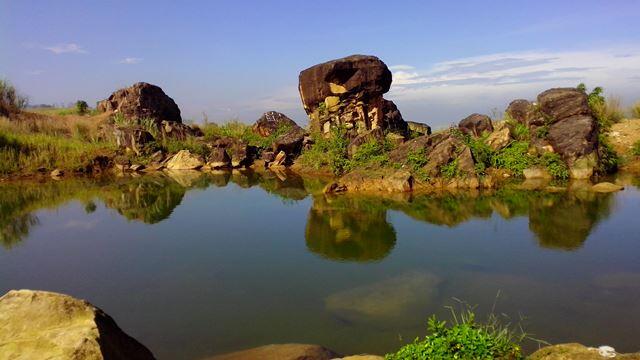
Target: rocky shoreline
x: 41, y: 324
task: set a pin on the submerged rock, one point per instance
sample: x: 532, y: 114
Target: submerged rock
x: 347, y: 92
x: 46, y: 325
x: 142, y: 100
x: 281, y: 352
x: 606, y: 187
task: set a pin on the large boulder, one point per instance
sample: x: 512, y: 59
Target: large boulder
x: 574, y: 137
x: 290, y: 142
x: 241, y: 153
x: 560, y: 103
x: 419, y: 128
x: 46, y: 325
x: 281, y: 352
x: 348, y: 92
x: 140, y: 101
x: 133, y: 138
x: 178, y: 131
x: 185, y: 160
x: 270, y: 122
x: 475, y: 124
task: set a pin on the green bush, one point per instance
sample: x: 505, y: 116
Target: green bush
x: 555, y: 165
x: 609, y: 159
x: 450, y: 170
x: 465, y: 339
x: 241, y: 131
x: 606, y: 111
x: 371, y: 153
x: 635, y: 150
x: 520, y: 132
x: 514, y: 158
x: 81, y: 107
x: 328, y: 151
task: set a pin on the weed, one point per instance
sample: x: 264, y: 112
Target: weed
x: 635, y: 150
x: 514, y: 158
x: 609, y: 159
x: 371, y: 153
x: 555, y: 165
x: 606, y: 111
x: 328, y: 151
x: 450, y: 170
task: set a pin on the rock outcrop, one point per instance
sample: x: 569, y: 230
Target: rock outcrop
x: 419, y: 128
x: 46, y: 325
x: 270, y: 122
x: 576, y: 351
x: 347, y: 92
x: 475, y: 124
x: 133, y: 138
x: 140, y: 101
x: 185, y: 160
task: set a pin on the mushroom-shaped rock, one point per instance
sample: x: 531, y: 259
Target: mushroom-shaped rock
x: 347, y: 92
x: 46, y: 325
x: 140, y: 101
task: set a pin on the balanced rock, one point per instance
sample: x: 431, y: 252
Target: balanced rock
x: 140, y: 101
x: 185, y: 160
x: 270, y: 122
x: 347, y: 92
x: 46, y: 325
x: 475, y: 124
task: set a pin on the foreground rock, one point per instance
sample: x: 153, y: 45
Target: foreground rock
x: 476, y: 125
x: 347, y: 92
x: 46, y: 325
x: 606, y: 187
x: 185, y: 160
x: 576, y: 351
x: 142, y: 100
x: 281, y: 352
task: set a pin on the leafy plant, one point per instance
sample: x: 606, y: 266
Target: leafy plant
x: 81, y: 107
x: 520, y: 132
x: 555, y: 165
x: 416, y: 160
x: 635, y: 150
x: 328, y: 151
x: 450, y: 170
x: 606, y: 111
x: 542, y: 132
x: 609, y: 159
x: 464, y: 339
x: 371, y: 153
x: 514, y: 158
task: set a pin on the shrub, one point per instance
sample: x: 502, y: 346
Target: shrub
x: 10, y: 100
x: 609, y: 159
x: 450, y: 170
x: 416, y: 160
x: 520, y: 132
x: 464, y: 339
x: 514, y: 158
x: 81, y: 107
x: 482, y: 153
x: 328, y: 151
x: 241, y: 131
x: 606, y: 111
x: 371, y: 153
x: 635, y: 150
x: 555, y: 165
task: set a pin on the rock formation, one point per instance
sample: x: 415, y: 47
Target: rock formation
x: 142, y: 100
x: 348, y: 92
x: 46, y: 325
x: 270, y: 122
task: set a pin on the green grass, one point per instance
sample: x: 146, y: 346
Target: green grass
x: 514, y: 158
x: 328, y: 151
x: 635, y: 110
x: 607, y: 111
x: 416, y: 160
x: 26, y: 153
x: 370, y: 154
x: 635, y: 149
x: 555, y: 165
x: 465, y: 339
x: 450, y: 170
x: 241, y: 131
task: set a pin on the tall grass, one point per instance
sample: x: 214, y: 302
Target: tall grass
x: 635, y: 110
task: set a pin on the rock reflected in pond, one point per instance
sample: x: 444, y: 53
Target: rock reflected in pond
x: 397, y: 300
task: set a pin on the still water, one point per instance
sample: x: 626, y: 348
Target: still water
x: 194, y: 265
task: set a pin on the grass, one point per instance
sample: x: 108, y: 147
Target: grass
x: 635, y: 110
x: 27, y: 152
x: 241, y: 131
x: 328, y: 151
x: 555, y: 165
x: 635, y: 149
x: 370, y: 154
x: 416, y: 160
x: 514, y: 158
x: 450, y: 170
x: 465, y: 338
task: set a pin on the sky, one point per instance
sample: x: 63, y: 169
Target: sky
x: 238, y: 59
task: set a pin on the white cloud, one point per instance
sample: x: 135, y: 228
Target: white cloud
x: 130, y: 60
x: 70, y: 48
x: 400, y: 67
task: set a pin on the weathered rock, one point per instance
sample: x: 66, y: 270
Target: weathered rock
x: 560, y: 103
x: 270, y: 122
x: 499, y: 139
x: 576, y: 351
x: 46, y: 325
x: 133, y: 138
x: 466, y: 165
x: 241, y: 153
x: 413, y: 146
x: 605, y: 187
x: 520, y: 110
x: 583, y: 167
x: 290, y: 142
x: 219, y: 159
x: 475, y: 124
x: 142, y: 100
x: 178, y: 131
x: 441, y: 154
x: 56, y: 173
x: 536, y: 173
x: 279, y: 160
x: 348, y: 92
x: 281, y: 352
x: 574, y: 137
x: 375, y: 135
x: 185, y: 160
x: 400, y: 181
x: 419, y: 128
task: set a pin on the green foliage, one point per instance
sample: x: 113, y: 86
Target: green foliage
x: 555, y: 165
x: 514, y: 158
x: 372, y: 153
x: 606, y: 111
x: 609, y: 159
x: 195, y: 147
x: 482, y: 153
x: 465, y: 339
x: 328, y: 151
x: 520, y: 131
x: 450, y: 170
x: 81, y: 107
x: 10, y: 100
x: 635, y: 150
x: 241, y: 131
x: 542, y: 132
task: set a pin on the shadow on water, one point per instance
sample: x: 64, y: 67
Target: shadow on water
x: 345, y: 228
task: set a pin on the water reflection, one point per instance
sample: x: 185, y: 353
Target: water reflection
x: 346, y: 228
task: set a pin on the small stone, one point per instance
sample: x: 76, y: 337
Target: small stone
x: 56, y: 173
x: 605, y: 187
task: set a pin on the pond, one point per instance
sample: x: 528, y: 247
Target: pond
x: 197, y: 264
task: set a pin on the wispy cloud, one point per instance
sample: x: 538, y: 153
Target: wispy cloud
x: 530, y: 69
x: 400, y: 67
x: 130, y: 60
x: 68, y: 48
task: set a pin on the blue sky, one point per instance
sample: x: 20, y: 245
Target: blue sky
x: 241, y: 58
